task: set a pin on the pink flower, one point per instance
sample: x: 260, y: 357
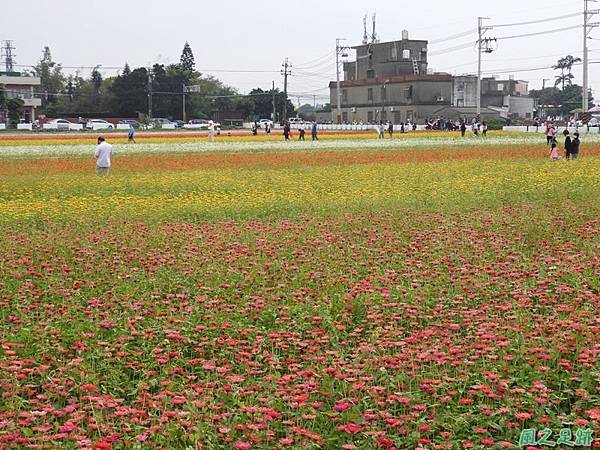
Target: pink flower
x: 523, y: 416
x: 239, y: 445
x: 68, y: 427
x: 342, y: 406
x: 594, y: 414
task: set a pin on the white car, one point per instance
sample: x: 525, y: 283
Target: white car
x: 262, y: 123
x: 99, y: 124
x: 58, y: 124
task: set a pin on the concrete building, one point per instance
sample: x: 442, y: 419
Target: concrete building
x: 388, y: 59
x: 390, y: 81
x: 17, y: 85
x: 464, y: 91
x: 399, y: 99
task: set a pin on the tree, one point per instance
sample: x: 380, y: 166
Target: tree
x: 560, y: 102
x: 565, y: 64
x: 96, y: 79
x: 187, y: 61
x: 263, y: 101
x: 14, y: 105
x: 50, y: 74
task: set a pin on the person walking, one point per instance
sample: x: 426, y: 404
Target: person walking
x: 575, y: 144
x: 301, y: 133
x: 391, y: 129
x: 381, y: 130
x: 554, y: 156
x: 103, y: 154
x: 211, y: 131
x: 286, y: 130
x: 131, y: 135
x: 484, y: 129
x: 568, y: 144
x: 267, y: 129
x: 463, y: 128
x: 314, y: 131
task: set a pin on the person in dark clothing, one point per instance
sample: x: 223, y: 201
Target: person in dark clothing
x: 568, y: 144
x: 391, y: 130
x: 314, y: 131
x: 302, y: 133
x: 286, y: 131
x: 463, y: 128
x: 575, y: 143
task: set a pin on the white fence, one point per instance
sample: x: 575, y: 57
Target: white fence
x: 335, y: 127
x: 25, y: 126
x: 542, y: 130
x: 2, y: 126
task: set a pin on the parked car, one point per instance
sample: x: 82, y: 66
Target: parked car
x: 262, y: 123
x: 59, y: 124
x: 131, y: 122
x: 163, y: 121
x: 179, y: 123
x: 99, y: 124
x: 295, y: 120
x: 201, y: 124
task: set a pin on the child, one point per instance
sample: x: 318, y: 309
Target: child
x: 554, y: 151
x: 302, y: 133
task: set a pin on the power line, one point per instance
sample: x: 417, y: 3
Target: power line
x: 531, y: 22
x: 452, y: 49
x: 538, y: 33
x: 454, y: 36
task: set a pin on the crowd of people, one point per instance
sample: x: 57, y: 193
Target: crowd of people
x: 571, y: 146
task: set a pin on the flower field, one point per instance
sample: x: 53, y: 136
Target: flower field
x: 425, y: 293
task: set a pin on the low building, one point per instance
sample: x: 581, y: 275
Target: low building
x: 17, y: 85
x: 398, y: 99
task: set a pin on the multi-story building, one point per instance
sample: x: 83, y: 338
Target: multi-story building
x: 390, y: 81
x: 17, y: 85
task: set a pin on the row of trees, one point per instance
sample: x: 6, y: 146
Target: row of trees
x: 128, y: 94
x: 564, y: 96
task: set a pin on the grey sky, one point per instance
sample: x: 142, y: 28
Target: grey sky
x: 249, y: 35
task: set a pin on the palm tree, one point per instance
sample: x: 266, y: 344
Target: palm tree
x: 567, y: 64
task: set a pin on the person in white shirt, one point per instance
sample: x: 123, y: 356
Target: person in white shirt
x: 103, y: 153
x: 211, y: 131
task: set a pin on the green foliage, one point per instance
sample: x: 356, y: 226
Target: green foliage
x: 51, y: 76
x: 564, y: 100
x: 187, y: 61
x: 565, y: 64
x: 263, y: 103
x: 13, y: 106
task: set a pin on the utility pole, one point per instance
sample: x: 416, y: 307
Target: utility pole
x: 315, y: 106
x: 149, y: 93
x: 274, y: 116
x: 9, y: 57
x: 587, y: 28
x: 480, y: 31
x: 183, y: 90
x: 285, y: 72
x: 338, y: 52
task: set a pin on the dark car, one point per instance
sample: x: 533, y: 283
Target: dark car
x: 179, y: 123
x: 131, y: 122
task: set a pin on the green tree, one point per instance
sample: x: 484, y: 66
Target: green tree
x: 560, y: 102
x: 51, y: 76
x: 129, y: 92
x: 263, y: 101
x: 565, y: 64
x: 96, y: 79
x: 187, y: 61
x: 13, y: 106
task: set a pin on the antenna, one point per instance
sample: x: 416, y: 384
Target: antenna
x: 7, y: 54
x: 374, y: 38
x: 365, y: 40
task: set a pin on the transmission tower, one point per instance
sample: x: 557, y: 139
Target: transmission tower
x: 8, y: 55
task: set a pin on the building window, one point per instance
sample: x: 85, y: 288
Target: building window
x: 345, y: 96
x: 406, y: 54
x: 370, y: 73
x: 370, y: 94
x: 460, y: 103
x: 370, y: 116
x: 500, y: 86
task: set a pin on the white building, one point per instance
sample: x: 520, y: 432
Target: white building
x: 17, y: 85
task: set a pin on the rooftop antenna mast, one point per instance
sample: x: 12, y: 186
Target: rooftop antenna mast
x: 8, y: 55
x: 374, y: 38
x: 365, y: 40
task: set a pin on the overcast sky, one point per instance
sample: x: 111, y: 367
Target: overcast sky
x: 234, y: 35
